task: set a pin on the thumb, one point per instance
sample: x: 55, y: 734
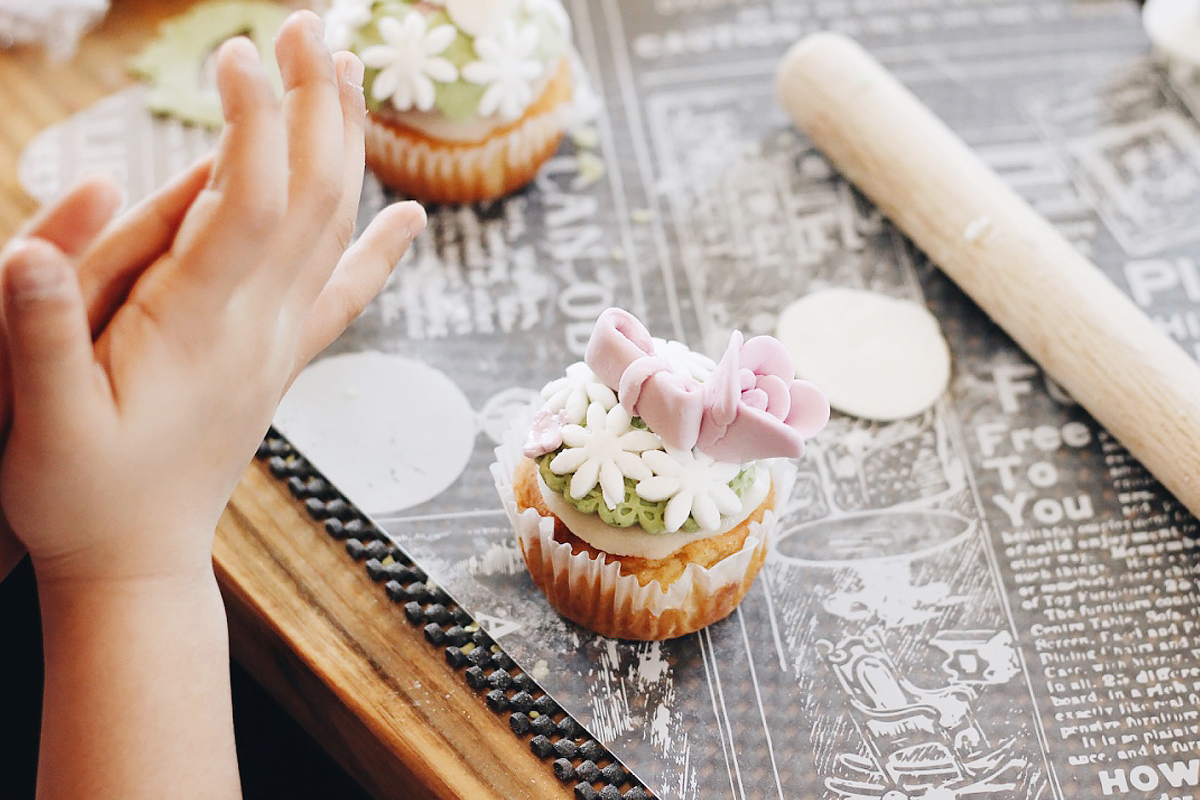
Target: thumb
x: 49, y: 343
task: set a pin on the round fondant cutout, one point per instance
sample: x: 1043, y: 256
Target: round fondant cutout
x: 390, y: 432
x: 1174, y: 28
x: 875, y: 356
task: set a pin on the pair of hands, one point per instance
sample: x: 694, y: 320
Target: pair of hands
x: 146, y: 354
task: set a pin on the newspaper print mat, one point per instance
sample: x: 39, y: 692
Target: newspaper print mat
x: 991, y: 599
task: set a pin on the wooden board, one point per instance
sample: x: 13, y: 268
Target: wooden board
x: 310, y: 625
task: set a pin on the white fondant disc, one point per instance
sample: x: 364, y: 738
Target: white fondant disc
x: 1174, y: 28
x: 388, y: 431
x: 506, y: 408
x: 874, y: 356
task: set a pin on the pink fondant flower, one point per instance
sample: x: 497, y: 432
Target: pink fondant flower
x: 545, y: 434
x: 751, y: 406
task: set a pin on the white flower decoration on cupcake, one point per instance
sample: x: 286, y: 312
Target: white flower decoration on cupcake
x: 604, y: 452
x: 342, y: 21
x: 552, y: 9
x: 575, y: 391
x: 508, y: 66
x: 408, y: 61
x: 480, y: 17
x: 693, y: 484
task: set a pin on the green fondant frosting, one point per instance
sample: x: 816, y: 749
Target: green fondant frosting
x: 632, y: 510
x: 356, y: 25
x: 177, y: 66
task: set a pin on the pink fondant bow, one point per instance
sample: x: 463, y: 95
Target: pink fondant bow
x: 751, y: 406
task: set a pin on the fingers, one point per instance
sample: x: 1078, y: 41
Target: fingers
x: 49, y: 345
x: 313, y: 109
x: 359, y: 276
x: 278, y: 178
x: 233, y: 221
x: 74, y: 220
x: 340, y: 228
x: 114, y: 262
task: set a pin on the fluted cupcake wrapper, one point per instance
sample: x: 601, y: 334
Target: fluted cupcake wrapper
x: 592, y: 592
x: 462, y: 172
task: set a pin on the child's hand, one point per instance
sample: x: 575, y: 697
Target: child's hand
x: 122, y: 455
x: 107, y: 259
x: 70, y: 223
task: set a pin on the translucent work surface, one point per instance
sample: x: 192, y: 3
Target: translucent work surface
x: 989, y: 600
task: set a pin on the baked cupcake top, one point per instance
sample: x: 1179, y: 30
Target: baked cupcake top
x: 460, y: 59
x: 648, y: 435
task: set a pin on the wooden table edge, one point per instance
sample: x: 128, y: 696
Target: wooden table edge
x: 310, y: 625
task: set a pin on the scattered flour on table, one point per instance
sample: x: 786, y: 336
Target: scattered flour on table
x: 874, y: 356
x: 500, y: 558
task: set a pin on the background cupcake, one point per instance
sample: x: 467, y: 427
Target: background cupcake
x: 467, y: 98
x: 639, y: 494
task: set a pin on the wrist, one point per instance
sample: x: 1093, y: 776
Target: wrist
x: 61, y: 586
x: 150, y: 563
x: 146, y: 661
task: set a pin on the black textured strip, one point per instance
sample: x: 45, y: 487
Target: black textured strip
x: 554, y: 736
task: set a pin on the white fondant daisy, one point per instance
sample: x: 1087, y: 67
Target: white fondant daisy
x: 684, y: 360
x: 552, y: 9
x: 342, y: 19
x: 508, y: 67
x: 575, y: 391
x: 480, y: 17
x: 693, y: 484
x: 605, y: 452
x: 408, y: 61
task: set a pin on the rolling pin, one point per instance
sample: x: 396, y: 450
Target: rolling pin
x: 1058, y: 306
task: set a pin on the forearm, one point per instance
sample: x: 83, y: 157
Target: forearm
x: 137, y: 700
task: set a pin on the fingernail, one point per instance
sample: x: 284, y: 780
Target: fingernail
x: 354, y: 73
x: 418, y: 224
x: 314, y: 25
x: 107, y: 184
x: 33, y: 273
x: 244, y: 51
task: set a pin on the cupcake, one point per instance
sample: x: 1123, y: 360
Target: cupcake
x: 643, y: 493
x: 466, y: 98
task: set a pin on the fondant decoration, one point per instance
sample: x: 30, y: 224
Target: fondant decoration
x: 875, y: 356
x: 389, y: 431
x: 177, y: 64
x: 750, y: 407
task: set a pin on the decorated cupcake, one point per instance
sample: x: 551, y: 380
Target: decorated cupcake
x: 641, y: 495
x: 467, y: 98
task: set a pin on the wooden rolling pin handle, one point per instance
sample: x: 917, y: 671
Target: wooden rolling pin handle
x: 1066, y: 314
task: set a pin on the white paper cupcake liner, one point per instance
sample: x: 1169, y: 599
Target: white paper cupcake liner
x: 586, y: 589
x: 465, y: 172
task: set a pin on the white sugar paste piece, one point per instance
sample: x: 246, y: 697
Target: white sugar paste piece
x: 874, y: 356
x: 388, y: 431
x: 1174, y: 28
x: 480, y: 17
x: 498, y: 412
